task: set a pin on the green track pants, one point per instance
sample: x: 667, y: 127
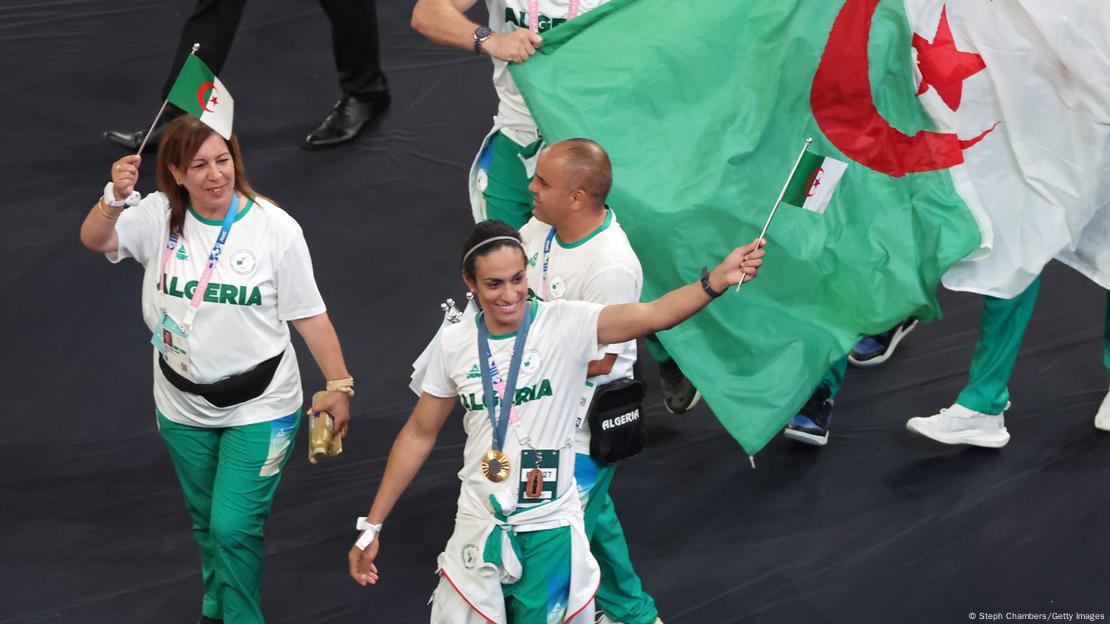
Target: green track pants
x: 229, y: 476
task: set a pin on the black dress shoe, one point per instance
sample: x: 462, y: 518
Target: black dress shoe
x: 204, y: 619
x: 347, y: 120
x: 132, y: 140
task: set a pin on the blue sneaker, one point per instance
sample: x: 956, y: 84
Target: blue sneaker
x: 811, y: 424
x: 874, y: 350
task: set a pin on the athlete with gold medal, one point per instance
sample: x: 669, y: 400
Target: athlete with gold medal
x: 519, y: 553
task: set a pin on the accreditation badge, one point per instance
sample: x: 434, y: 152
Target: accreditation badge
x: 170, y: 340
x: 539, y: 476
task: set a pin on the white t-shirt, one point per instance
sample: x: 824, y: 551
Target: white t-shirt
x: 505, y: 16
x: 263, y: 279
x: 561, y: 342
x: 600, y: 268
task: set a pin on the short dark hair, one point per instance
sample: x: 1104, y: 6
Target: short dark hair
x: 483, y: 232
x: 587, y: 167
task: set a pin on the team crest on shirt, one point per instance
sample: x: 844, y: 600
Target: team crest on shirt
x: 242, y: 262
x: 530, y: 363
x: 470, y: 556
x: 557, y: 287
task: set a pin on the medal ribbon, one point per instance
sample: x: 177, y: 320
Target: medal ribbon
x: 546, y: 258
x: 213, y: 258
x: 534, y: 13
x: 501, y: 425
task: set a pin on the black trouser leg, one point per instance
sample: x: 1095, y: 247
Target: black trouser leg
x: 212, y: 24
x: 354, y: 36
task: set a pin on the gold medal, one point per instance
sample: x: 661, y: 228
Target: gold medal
x: 495, y: 465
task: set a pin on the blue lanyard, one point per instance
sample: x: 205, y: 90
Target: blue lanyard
x: 501, y: 425
x: 546, y: 259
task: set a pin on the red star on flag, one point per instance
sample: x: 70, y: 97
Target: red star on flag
x: 214, y: 101
x: 943, y: 67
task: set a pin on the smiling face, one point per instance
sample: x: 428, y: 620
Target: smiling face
x: 552, y: 195
x: 209, y: 177
x: 501, y: 287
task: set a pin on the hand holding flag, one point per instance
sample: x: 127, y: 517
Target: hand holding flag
x: 125, y: 174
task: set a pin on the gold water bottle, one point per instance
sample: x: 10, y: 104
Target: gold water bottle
x: 323, y: 441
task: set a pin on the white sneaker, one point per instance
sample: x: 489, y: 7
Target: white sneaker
x: 960, y: 425
x: 1102, y: 418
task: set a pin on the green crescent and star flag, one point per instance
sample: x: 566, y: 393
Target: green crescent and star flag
x: 703, y: 107
x: 814, y: 180
x: 198, y: 92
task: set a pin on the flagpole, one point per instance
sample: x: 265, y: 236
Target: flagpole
x: 782, y: 193
x: 146, y: 137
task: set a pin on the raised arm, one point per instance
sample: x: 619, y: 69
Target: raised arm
x: 444, y: 22
x: 410, y: 450
x: 618, y: 323
x: 98, y: 232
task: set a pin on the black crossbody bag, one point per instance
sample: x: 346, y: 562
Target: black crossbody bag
x: 616, y: 421
x: 227, y: 392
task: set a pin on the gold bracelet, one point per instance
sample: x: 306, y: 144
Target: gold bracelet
x: 345, y: 385
x: 100, y: 206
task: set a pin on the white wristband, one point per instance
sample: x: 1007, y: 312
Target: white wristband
x: 369, y: 532
x: 110, y: 197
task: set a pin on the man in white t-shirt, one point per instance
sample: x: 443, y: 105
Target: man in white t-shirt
x: 500, y: 176
x: 576, y: 251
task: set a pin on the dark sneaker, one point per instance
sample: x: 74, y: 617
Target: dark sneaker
x: 874, y: 350
x: 204, y: 619
x: 679, y: 395
x: 811, y: 424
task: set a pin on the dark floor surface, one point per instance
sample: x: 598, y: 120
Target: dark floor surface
x: 880, y: 526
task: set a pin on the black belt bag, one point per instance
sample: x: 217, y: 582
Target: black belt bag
x: 616, y: 423
x: 227, y: 392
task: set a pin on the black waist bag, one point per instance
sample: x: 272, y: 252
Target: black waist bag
x: 227, y: 392
x: 616, y: 423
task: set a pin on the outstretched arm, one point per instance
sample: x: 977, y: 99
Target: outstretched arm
x: 444, y: 22
x: 627, y: 321
x: 410, y: 450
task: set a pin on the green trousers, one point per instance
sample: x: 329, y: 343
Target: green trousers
x: 229, y: 476
x: 540, y: 596
x: 834, y: 378
x: 1001, y: 330
x: 507, y: 196
x: 620, y: 596
x: 1106, y: 335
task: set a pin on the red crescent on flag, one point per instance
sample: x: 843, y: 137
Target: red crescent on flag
x: 813, y: 182
x: 844, y: 107
x: 202, y: 95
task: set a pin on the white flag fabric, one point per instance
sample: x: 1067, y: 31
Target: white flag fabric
x: 1039, y: 181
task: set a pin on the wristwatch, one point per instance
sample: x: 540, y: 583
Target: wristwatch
x: 369, y: 532
x: 706, y: 287
x: 480, y: 35
x: 110, y: 198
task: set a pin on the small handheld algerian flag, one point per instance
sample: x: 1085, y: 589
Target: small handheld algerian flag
x: 200, y: 93
x: 812, y: 185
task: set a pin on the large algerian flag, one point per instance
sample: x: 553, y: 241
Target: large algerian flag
x: 200, y: 93
x: 703, y: 107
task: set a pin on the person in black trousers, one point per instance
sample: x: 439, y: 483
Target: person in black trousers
x: 354, y: 27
